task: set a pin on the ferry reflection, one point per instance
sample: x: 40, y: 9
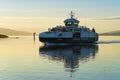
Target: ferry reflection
x: 70, y: 55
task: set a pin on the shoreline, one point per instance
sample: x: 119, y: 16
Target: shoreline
x: 3, y: 36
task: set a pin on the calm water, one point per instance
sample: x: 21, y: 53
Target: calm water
x: 24, y: 59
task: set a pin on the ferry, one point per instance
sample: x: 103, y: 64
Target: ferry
x: 71, y: 32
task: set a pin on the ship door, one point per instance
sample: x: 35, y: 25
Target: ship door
x: 76, y: 35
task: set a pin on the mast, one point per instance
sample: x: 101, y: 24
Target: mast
x: 72, y: 15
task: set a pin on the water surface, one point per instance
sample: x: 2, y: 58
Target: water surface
x: 23, y: 59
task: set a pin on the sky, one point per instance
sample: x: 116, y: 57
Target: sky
x: 37, y: 15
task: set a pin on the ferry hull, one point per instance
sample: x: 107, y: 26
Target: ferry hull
x: 68, y: 40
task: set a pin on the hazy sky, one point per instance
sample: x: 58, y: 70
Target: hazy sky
x: 40, y: 14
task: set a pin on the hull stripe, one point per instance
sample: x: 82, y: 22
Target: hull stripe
x: 67, y: 40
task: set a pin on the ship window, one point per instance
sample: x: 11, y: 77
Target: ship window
x: 76, y: 35
x: 70, y: 29
x: 76, y: 24
x: 60, y: 34
x: 80, y: 30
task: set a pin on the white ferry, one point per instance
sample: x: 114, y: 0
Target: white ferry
x: 70, y: 33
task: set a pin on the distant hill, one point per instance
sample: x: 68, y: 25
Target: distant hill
x: 112, y: 33
x: 10, y: 32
